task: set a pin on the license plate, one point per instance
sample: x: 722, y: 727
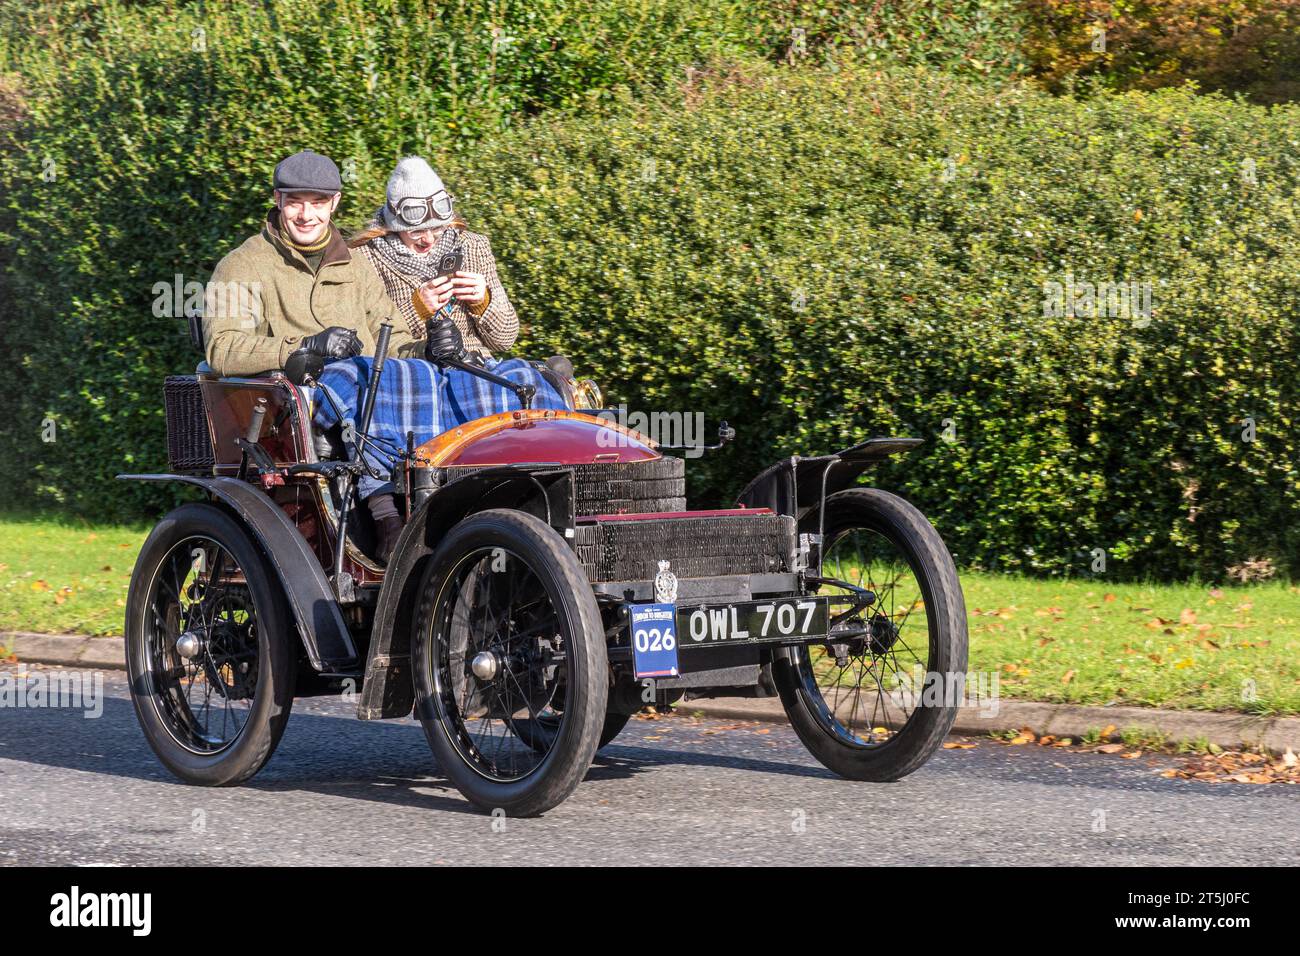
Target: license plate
x: 654, y: 640
x: 785, y: 619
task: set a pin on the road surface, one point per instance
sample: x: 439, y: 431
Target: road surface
x: 675, y: 790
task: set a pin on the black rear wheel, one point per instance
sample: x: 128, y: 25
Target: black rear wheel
x: 209, y: 648
x: 877, y: 698
x: 509, y: 662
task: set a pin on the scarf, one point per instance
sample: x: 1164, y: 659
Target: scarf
x: 398, y: 256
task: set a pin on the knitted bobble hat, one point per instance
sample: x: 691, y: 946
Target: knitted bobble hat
x: 413, y: 178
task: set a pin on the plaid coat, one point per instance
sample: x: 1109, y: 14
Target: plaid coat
x: 493, y: 328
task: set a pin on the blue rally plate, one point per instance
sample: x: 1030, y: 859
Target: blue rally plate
x: 654, y: 640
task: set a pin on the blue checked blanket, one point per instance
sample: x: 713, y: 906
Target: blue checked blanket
x: 417, y: 396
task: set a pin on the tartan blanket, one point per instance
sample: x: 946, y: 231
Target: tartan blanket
x: 417, y: 396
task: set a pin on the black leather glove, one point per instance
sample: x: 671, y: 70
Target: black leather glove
x: 444, y: 342
x: 335, y: 342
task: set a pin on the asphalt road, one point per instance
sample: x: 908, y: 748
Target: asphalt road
x: 677, y: 790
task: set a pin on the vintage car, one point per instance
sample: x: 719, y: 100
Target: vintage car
x: 550, y: 583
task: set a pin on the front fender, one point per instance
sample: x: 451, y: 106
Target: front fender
x: 324, y: 633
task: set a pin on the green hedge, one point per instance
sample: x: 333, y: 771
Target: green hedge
x: 159, y: 121
x: 923, y: 283
x: 664, y: 238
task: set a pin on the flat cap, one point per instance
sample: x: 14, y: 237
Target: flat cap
x: 307, y: 172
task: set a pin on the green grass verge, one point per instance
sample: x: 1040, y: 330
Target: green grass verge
x: 1182, y: 645
x: 1084, y: 641
x: 61, y: 576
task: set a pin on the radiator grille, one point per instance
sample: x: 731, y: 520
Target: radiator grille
x: 631, y: 487
x: 697, y: 547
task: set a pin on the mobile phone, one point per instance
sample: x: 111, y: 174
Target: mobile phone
x: 449, y: 263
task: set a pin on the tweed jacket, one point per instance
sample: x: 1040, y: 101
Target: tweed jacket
x: 264, y: 298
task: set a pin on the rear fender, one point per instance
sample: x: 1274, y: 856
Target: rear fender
x: 325, y: 635
x: 548, y: 493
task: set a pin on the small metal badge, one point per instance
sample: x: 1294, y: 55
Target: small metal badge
x: 665, y: 585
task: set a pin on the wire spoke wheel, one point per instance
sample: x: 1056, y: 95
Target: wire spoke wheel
x: 201, y: 645
x: 875, y: 699
x: 508, y: 656
x: 500, y: 665
x: 871, y: 669
x: 208, y: 650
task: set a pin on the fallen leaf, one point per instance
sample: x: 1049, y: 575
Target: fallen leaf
x: 1110, y: 748
x: 1107, y: 730
x: 1132, y: 756
x: 1187, y: 617
x: 956, y: 746
x: 1069, y: 676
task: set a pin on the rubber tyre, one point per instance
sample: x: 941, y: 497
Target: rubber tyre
x: 930, y: 561
x: 613, y: 726
x: 554, y: 563
x: 277, y: 662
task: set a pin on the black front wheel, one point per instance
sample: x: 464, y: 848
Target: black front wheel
x: 209, y: 648
x: 508, y: 657
x: 537, y: 732
x: 876, y: 699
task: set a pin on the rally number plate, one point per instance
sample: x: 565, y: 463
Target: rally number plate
x: 654, y: 640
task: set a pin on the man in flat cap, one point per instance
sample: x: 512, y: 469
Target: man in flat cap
x: 298, y: 284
